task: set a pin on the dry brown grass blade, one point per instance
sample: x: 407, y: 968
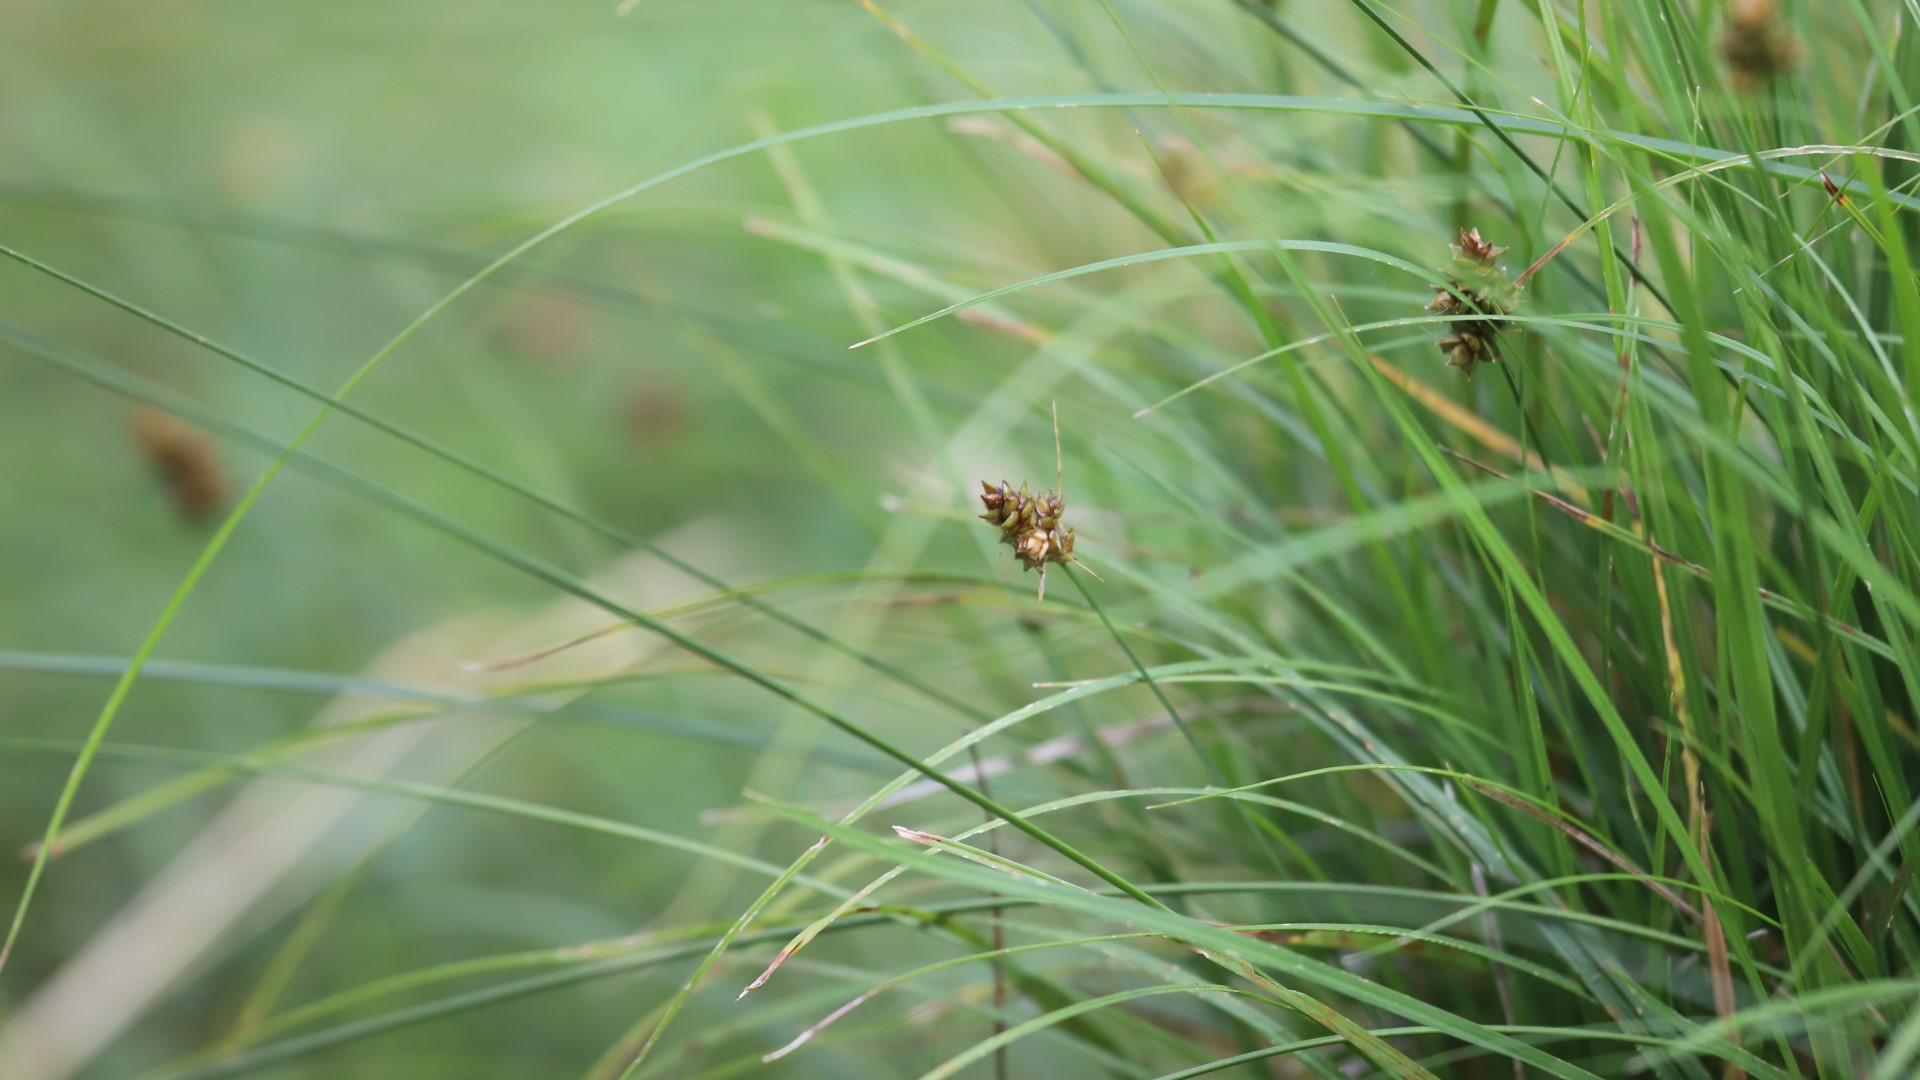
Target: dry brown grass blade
x: 524, y: 659
x: 1799, y: 647
x: 1719, y: 969
x: 1639, y: 539
x: 1465, y: 422
x: 1587, y: 840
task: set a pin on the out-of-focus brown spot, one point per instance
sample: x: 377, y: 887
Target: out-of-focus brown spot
x: 549, y: 327
x: 1757, y: 44
x: 184, y: 459
x: 656, y: 412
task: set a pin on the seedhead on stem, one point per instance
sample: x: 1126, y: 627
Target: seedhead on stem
x: 1032, y: 524
x: 1477, y: 286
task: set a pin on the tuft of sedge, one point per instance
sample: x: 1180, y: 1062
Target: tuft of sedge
x: 1477, y: 285
x: 184, y: 459
x: 1757, y: 45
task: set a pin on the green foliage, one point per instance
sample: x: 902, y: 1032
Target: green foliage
x: 538, y: 625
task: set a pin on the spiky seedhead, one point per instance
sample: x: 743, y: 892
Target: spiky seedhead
x: 1029, y: 523
x: 1477, y: 286
x: 1474, y: 249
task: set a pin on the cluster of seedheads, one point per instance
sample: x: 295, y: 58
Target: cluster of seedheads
x: 1478, y: 293
x: 1477, y: 286
x: 1031, y: 524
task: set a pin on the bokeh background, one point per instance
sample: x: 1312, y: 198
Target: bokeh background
x: 299, y: 182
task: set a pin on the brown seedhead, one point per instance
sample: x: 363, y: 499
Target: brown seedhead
x: 184, y: 459
x: 1477, y: 285
x: 1032, y: 524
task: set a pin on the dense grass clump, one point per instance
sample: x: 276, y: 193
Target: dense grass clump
x: 467, y: 612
